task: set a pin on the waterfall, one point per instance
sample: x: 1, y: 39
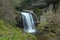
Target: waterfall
x: 28, y: 22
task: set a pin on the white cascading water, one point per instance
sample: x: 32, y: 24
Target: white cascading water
x: 28, y: 22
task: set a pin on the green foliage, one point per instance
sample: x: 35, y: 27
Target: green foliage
x: 3, y: 28
x: 52, y: 26
x: 38, y: 12
x: 9, y: 32
x: 26, y: 3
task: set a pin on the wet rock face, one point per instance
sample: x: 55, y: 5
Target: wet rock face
x: 39, y: 3
x: 0, y: 2
x: 52, y: 1
x: 18, y: 8
x: 32, y: 4
x: 19, y: 21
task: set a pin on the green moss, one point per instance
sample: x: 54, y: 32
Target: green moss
x: 38, y: 11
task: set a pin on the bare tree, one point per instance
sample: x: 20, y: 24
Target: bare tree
x: 8, y: 12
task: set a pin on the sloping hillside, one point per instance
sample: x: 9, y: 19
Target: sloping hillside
x: 48, y: 27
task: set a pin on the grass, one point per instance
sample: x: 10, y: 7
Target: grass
x: 10, y: 32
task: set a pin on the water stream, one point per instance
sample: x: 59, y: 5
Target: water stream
x: 28, y: 22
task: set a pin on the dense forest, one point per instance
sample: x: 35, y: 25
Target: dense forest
x: 46, y: 11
